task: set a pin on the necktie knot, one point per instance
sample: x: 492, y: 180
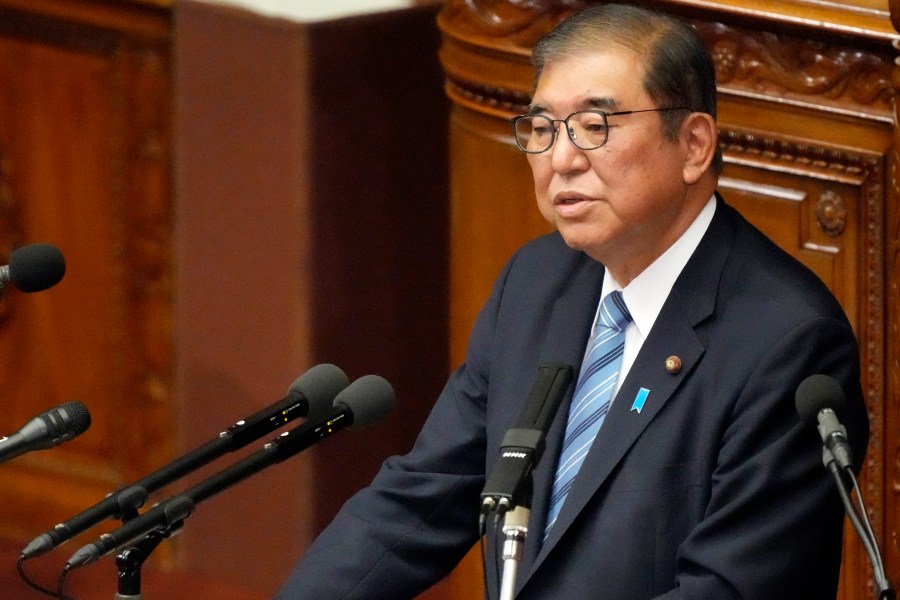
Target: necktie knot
x: 613, y: 312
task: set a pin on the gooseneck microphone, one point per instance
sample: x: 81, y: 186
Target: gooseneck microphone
x: 365, y: 401
x: 523, y: 444
x: 33, y: 268
x: 47, y: 430
x: 507, y: 491
x: 819, y: 399
x: 310, y: 395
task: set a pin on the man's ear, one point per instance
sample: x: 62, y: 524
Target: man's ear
x: 700, y: 137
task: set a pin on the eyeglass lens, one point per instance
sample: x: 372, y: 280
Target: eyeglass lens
x: 587, y: 130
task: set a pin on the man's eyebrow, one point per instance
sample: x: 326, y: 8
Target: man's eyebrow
x: 600, y: 102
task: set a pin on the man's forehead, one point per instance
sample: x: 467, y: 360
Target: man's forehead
x: 599, y: 79
x: 626, y: 63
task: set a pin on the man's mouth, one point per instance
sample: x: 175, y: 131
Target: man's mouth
x: 568, y: 199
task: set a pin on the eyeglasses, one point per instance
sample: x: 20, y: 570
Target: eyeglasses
x: 588, y: 129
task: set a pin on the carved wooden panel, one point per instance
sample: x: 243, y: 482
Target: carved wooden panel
x: 84, y: 165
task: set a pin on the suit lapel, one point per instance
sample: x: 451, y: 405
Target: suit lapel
x: 623, y: 425
x: 691, y: 301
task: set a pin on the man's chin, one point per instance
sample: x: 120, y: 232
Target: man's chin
x: 577, y: 237
x: 581, y: 239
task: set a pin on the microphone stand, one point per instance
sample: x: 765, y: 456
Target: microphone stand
x: 508, y: 489
x: 130, y: 561
x: 167, y: 518
x: 143, y: 532
x: 515, y: 527
x: 860, y: 523
x: 515, y: 530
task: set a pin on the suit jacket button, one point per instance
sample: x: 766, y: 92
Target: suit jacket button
x: 673, y: 364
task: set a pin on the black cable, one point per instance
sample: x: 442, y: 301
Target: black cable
x: 884, y: 585
x: 62, y: 581
x: 482, y: 530
x: 878, y: 565
x: 863, y: 529
x: 20, y: 569
x: 498, y: 549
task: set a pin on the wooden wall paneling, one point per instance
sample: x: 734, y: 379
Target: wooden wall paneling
x: 243, y: 281
x: 808, y: 130
x: 312, y: 220
x: 379, y: 199
x: 84, y: 113
x: 213, y: 259
x: 891, y: 449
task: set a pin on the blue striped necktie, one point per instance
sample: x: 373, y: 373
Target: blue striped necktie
x: 592, y: 396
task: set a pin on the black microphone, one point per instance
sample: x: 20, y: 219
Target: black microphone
x: 365, y: 401
x: 310, y: 395
x: 33, y: 268
x: 523, y: 444
x: 819, y: 398
x: 47, y: 430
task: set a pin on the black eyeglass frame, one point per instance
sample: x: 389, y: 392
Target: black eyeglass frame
x: 513, y: 122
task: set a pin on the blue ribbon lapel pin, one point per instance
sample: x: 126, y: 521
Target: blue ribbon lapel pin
x: 639, y: 400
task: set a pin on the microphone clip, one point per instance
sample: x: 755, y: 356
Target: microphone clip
x: 506, y: 485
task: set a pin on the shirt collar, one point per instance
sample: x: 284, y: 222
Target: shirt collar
x: 647, y: 292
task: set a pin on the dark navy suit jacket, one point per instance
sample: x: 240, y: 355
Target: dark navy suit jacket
x: 712, y: 491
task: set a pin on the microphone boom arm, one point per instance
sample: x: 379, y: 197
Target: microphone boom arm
x: 172, y: 512
x: 322, y: 383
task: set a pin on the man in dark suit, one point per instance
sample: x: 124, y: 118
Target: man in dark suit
x: 701, y: 483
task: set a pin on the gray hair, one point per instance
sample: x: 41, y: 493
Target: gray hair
x: 679, y: 70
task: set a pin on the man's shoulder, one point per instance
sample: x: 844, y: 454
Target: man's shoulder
x: 547, y: 265
x: 764, y: 266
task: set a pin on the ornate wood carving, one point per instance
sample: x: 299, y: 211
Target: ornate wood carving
x: 515, y: 25
x: 891, y: 448
x: 148, y: 217
x: 782, y: 66
x: 748, y: 61
x: 801, y: 157
x: 831, y: 213
x: 84, y: 132
x: 10, y: 230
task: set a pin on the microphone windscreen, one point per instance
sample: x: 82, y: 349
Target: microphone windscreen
x: 78, y: 417
x: 815, y: 393
x: 320, y: 385
x: 36, y: 267
x: 370, y: 398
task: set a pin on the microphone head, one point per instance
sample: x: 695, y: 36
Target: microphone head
x: 56, y: 426
x: 815, y: 393
x: 370, y: 398
x: 77, y: 416
x: 320, y: 385
x: 36, y: 267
